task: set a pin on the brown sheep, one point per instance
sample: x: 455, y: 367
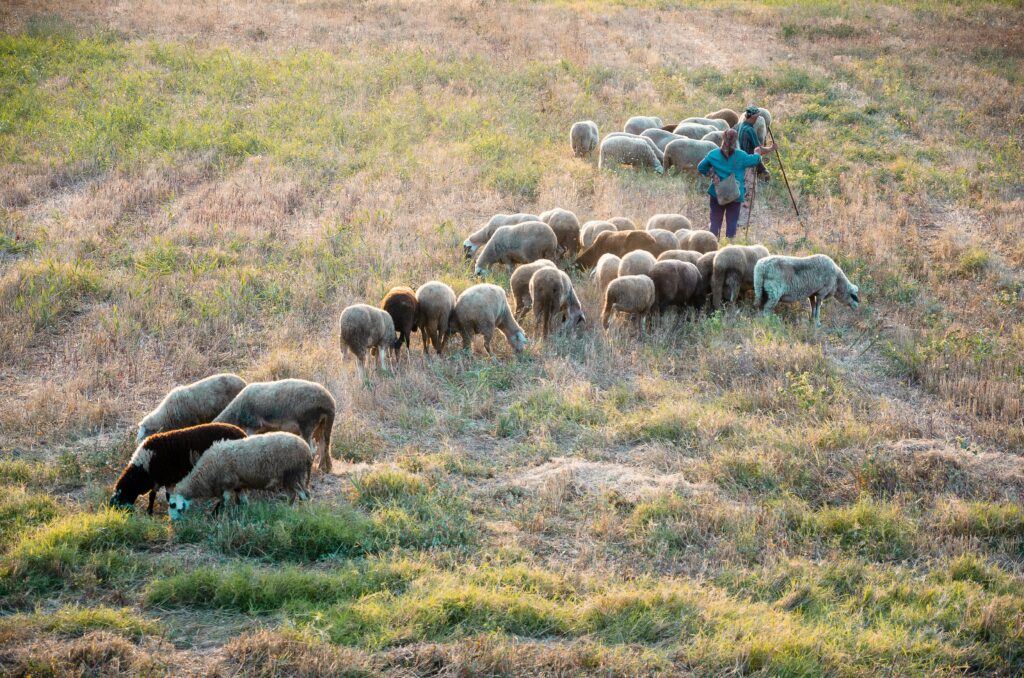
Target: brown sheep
x: 552, y: 293
x: 592, y: 229
x: 518, y: 244
x: 622, y: 223
x: 699, y: 241
x: 293, y: 405
x: 365, y: 330
x: 732, y: 272
x: 727, y: 114
x: 633, y: 294
x: 637, y: 262
x: 479, y: 238
x: 669, y: 222
x: 522, y: 300
x: 400, y: 304
x: 479, y: 310
x: 191, y: 404
x: 434, y: 304
x: 607, y: 270
x: 618, y: 243
x: 566, y: 226
x: 680, y: 255
x: 675, y: 283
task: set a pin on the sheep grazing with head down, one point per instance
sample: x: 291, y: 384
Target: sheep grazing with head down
x: 479, y: 238
x: 667, y: 240
x: 661, y: 138
x: 633, y: 295
x: 163, y: 459
x: 714, y: 137
x: 730, y: 116
x: 519, y: 282
x: 676, y: 283
x: 705, y: 266
x: 680, y: 255
x: 583, y: 138
x: 732, y: 272
x: 693, y: 130
x: 400, y: 304
x: 481, y: 309
x: 639, y: 137
x: 434, y: 304
x: 566, y: 226
x: 687, y: 153
x: 816, y: 278
x: 617, y: 243
x: 718, y: 124
x: 552, y: 294
x: 262, y: 462
x: 638, y: 123
x: 607, y: 270
x: 638, y: 152
x: 668, y: 222
x: 637, y: 262
x: 622, y: 223
x: 365, y: 330
x: 592, y: 229
x: 195, y: 403
x: 519, y: 244
x: 699, y: 241
x: 293, y: 405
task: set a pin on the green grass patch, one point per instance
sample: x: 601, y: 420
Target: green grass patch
x: 21, y: 510
x: 45, y: 292
x: 74, y: 621
x: 874, y: 529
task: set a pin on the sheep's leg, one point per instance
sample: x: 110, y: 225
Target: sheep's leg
x: 425, y: 337
x: 770, y: 304
x: 381, y: 350
x: 816, y: 309
x: 546, y: 325
x: 152, y: 498
x: 488, y: 334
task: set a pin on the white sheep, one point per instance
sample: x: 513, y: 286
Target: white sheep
x: 583, y: 138
x: 661, y: 138
x: 692, y: 130
x: 687, y: 153
x: 668, y: 222
x: 714, y: 137
x: 639, y: 152
x: 720, y: 125
x: 518, y: 244
x: 637, y: 262
x: 566, y: 226
x: 479, y: 310
x: 519, y: 283
x: 666, y: 239
x: 816, y: 278
x: 552, y: 294
x: 639, y: 123
x: 365, y: 330
x: 647, y: 140
x: 606, y: 270
x: 633, y: 294
x: 479, y: 238
x: 191, y: 404
x: 434, y: 304
x: 269, y: 461
x: 592, y: 229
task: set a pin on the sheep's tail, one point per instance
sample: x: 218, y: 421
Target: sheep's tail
x: 759, y: 299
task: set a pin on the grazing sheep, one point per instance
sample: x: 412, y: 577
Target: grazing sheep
x: 714, y: 137
x: 434, y: 304
x: 647, y: 140
x: 400, y: 304
x: 699, y: 241
x: 705, y: 266
x: 633, y: 294
x: 552, y: 293
x: 637, y: 262
x: 669, y: 222
x: 660, y: 137
x: 583, y: 138
x: 293, y: 405
x: 639, y: 123
x: 479, y: 238
x: 676, y: 283
x: 683, y: 233
x: 519, y: 244
x: 687, y: 153
x: 365, y: 330
x: 630, y: 151
x: 717, y: 123
x: 269, y: 461
x: 607, y: 270
x: 817, y: 277
x: 520, y: 284
x: 680, y: 255
x: 479, y: 310
x: 730, y: 116
x: 733, y: 271
x: 592, y: 229
x: 666, y: 239
x: 622, y: 223
x: 566, y: 226
x: 163, y: 459
x: 692, y: 130
x: 195, y: 403
x: 618, y: 243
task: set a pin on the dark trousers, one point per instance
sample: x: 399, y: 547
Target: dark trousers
x: 731, y: 212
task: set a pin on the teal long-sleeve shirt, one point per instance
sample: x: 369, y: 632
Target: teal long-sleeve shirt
x: 735, y: 164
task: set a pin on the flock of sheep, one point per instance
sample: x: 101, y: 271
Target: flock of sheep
x: 647, y: 143
x: 219, y: 436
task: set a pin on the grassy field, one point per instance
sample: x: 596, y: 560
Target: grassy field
x: 195, y: 187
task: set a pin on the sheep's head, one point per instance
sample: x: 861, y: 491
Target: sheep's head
x: 479, y: 271
x: 142, y: 434
x: 518, y: 341
x: 118, y: 500
x: 468, y: 247
x: 848, y: 293
x: 177, y: 505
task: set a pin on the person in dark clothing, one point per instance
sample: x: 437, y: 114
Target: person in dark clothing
x: 748, y: 141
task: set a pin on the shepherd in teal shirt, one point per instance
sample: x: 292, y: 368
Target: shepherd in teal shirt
x: 724, y: 161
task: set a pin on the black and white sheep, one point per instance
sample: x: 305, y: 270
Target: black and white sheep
x: 816, y: 278
x: 481, y: 309
x: 191, y: 404
x: 163, y: 459
x: 270, y: 461
x: 583, y: 138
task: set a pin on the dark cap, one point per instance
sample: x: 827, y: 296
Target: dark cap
x: 753, y: 110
